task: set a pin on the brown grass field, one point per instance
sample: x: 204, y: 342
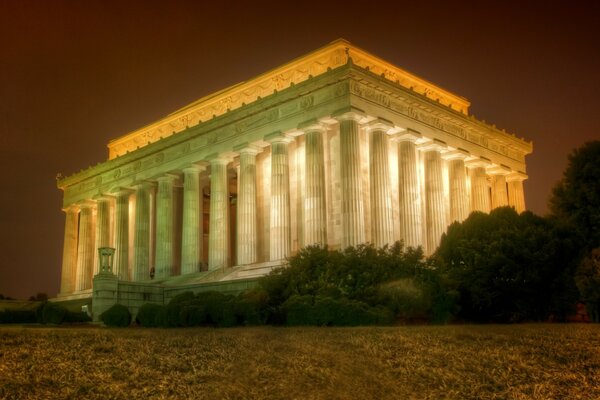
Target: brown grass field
x: 428, y: 362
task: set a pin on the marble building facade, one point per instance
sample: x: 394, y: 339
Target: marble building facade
x: 337, y: 148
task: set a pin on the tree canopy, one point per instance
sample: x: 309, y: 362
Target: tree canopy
x: 576, y: 198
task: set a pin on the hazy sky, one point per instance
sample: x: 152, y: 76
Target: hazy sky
x: 74, y: 74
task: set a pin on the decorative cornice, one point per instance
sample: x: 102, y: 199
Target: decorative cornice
x: 334, y: 55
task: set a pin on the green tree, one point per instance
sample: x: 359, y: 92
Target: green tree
x: 509, y: 267
x: 576, y: 198
x: 588, y: 282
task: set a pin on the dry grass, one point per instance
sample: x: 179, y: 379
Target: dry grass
x: 455, y: 362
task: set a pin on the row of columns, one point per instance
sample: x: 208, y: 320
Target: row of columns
x: 421, y: 196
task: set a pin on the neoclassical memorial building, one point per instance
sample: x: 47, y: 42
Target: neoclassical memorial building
x: 337, y: 147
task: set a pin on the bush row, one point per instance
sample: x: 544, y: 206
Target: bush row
x: 47, y: 313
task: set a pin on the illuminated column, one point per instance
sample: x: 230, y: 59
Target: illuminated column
x: 460, y: 199
x: 218, y: 236
x: 516, y: 195
x: 435, y: 205
x: 315, y: 216
x: 280, y: 239
x: 103, y: 204
x: 121, y: 262
x: 141, y: 239
x: 499, y: 190
x: 353, y: 221
x: 165, y: 226
x: 69, y: 261
x: 85, y: 248
x: 191, y: 241
x: 246, y: 213
x: 480, y: 192
x: 409, y: 193
x: 382, y: 228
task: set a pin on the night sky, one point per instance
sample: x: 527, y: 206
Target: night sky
x: 75, y: 74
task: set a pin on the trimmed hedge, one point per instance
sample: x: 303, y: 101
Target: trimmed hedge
x: 118, y: 316
x: 147, y: 315
x: 17, y: 317
x: 51, y: 313
x: 327, y: 311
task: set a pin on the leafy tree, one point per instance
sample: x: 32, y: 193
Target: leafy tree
x: 509, y: 267
x: 576, y: 198
x: 588, y: 282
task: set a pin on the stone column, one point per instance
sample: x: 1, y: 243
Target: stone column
x: 460, y: 199
x: 409, y: 192
x: 516, y: 195
x: 281, y: 239
x: 382, y: 228
x: 435, y: 205
x: 218, y: 235
x: 499, y: 190
x: 246, y: 208
x: 315, y: 215
x: 480, y: 192
x: 103, y: 204
x: 165, y: 227
x: 121, y: 262
x: 191, y: 241
x: 141, y: 239
x: 85, y: 248
x: 69, y: 261
x: 353, y: 221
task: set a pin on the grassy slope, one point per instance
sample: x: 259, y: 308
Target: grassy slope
x: 457, y: 362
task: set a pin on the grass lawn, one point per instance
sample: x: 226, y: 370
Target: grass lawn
x: 429, y: 362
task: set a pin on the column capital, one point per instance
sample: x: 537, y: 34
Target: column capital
x: 194, y: 168
x: 247, y: 148
x: 83, y: 204
x: 312, y: 125
x: 278, y: 137
x: 516, y: 176
x: 121, y: 191
x: 103, y: 197
x: 434, y: 145
x: 350, y: 113
x: 477, y: 162
x: 381, y: 124
x: 495, y: 169
x: 219, y: 158
x: 409, y: 135
x: 458, y: 154
x: 144, y: 183
x: 71, y: 208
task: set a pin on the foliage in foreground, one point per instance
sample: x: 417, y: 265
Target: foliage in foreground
x: 508, y: 267
x: 118, y: 316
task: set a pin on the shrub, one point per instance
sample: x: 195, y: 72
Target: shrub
x: 405, y: 298
x: 118, y: 315
x: 17, y: 317
x: 76, y: 317
x: 251, y: 307
x: 173, y: 311
x: 327, y: 311
x: 148, y: 315
x: 193, y: 315
x: 51, y: 313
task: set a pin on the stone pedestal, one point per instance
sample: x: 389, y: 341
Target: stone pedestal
x: 105, y: 293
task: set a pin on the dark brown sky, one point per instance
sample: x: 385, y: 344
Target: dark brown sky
x: 75, y: 74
